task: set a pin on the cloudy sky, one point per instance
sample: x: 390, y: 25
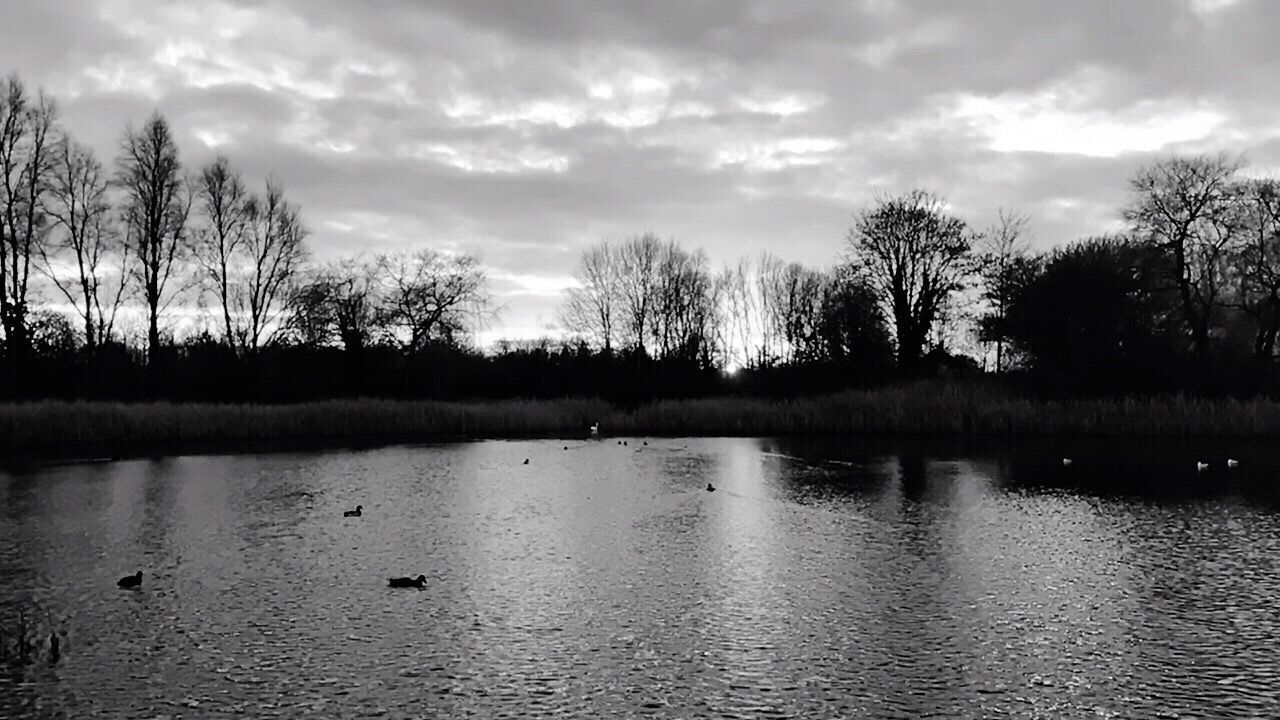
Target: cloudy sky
x: 525, y: 131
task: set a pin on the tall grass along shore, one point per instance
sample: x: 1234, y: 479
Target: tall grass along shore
x: 922, y: 408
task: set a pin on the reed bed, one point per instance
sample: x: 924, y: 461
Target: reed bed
x: 921, y: 408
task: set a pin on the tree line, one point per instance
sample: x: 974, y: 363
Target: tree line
x: 1185, y: 298
x: 148, y: 278
x: 150, y: 240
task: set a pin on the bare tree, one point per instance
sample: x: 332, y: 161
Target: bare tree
x: 914, y: 256
x: 593, y: 308
x: 80, y: 205
x: 1259, y: 261
x: 226, y: 203
x: 429, y: 296
x: 337, y: 303
x: 738, y: 311
x: 768, y: 283
x: 796, y: 300
x: 1001, y: 260
x: 638, y: 269
x: 1186, y: 208
x: 25, y: 165
x: 683, y: 306
x: 157, y: 202
x: 274, y: 252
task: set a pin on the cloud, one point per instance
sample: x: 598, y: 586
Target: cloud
x: 526, y: 131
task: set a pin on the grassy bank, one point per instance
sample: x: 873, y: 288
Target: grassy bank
x: 932, y: 408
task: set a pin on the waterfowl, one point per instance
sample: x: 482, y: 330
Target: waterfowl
x: 526, y: 461
x: 130, y: 581
x: 403, y: 582
x: 1201, y: 465
x: 711, y: 488
x: 1231, y: 463
x: 1066, y: 462
x: 624, y: 443
x: 353, y: 513
x: 646, y: 443
x: 595, y: 429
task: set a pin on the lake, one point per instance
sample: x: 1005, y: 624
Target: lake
x: 824, y: 577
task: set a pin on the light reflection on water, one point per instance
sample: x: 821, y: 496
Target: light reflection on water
x: 830, y: 578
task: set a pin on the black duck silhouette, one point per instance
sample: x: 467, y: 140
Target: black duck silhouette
x: 711, y: 488
x: 130, y: 581
x: 404, y: 582
x: 353, y: 513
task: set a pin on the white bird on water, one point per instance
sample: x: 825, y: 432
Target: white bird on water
x: 1231, y: 463
x: 595, y: 430
x: 1066, y: 462
x: 1201, y: 466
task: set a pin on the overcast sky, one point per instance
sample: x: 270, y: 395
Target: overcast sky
x: 525, y: 131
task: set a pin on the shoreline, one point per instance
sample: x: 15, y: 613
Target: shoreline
x: 90, y: 430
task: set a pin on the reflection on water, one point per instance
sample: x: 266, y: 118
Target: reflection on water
x: 824, y: 578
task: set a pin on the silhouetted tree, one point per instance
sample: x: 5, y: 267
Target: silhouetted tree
x: 1186, y: 208
x: 638, y: 259
x: 593, y: 308
x: 274, y: 252
x: 429, y: 296
x: 915, y: 256
x: 852, y: 325
x: 225, y: 203
x: 157, y: 201
x: 683, y: 307
x: 1259, y: 262
x: 1003, y: 266
x: 794, y: 298
x: 26, y: 162
x: 337, y: 303
x: 738, y: 311
x: 1096, y: 318
x: 88, y: 240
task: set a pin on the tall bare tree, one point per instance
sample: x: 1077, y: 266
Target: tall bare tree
x: 1001, y: 264
x: 225, y: 203
x: 795, y: 297
x: 88, y: 241
x: 274, y: 251
x: 738, y: 310
x: 1259, y: 261
x: 684, y: 318
x: 914, y: 255
x: 638, y: 267
x: 26, y: 149
x: 1186, y: 207
x: 768, y: 282
x: 157, y: 203
x: 593, y: 309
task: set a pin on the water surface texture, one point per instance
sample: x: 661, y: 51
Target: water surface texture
x: 822, y: 578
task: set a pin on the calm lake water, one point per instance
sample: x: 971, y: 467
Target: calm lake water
x: 823, y: 578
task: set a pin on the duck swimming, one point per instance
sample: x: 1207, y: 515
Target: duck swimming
x: 353, y: 513
x: 404, y: 582
x: 130, y: 581
x: 711, y: 488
